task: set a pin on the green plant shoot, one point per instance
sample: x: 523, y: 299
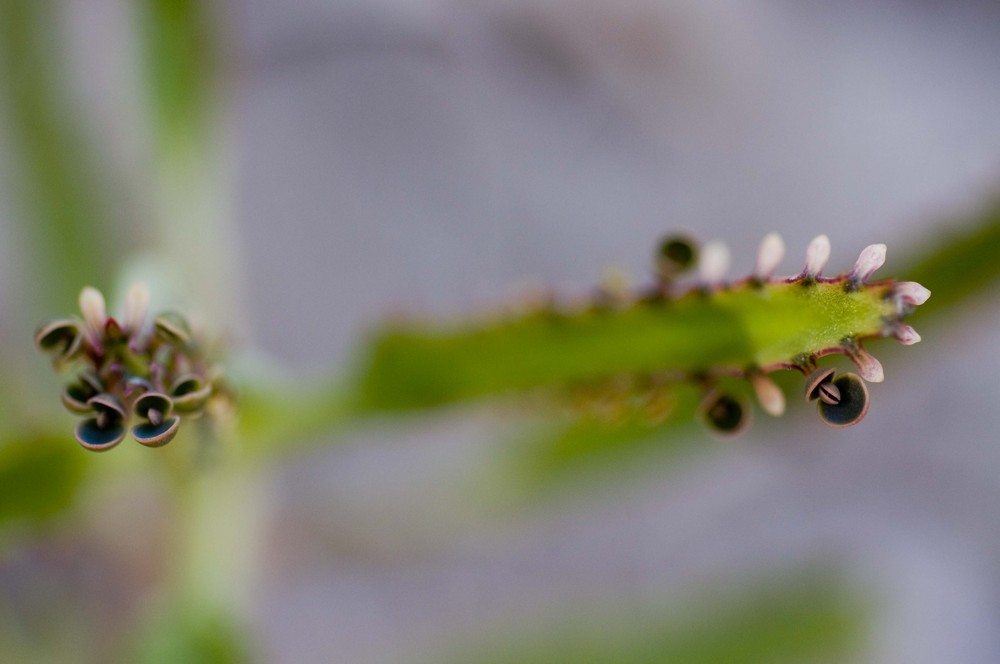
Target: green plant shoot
x: 662, y: 335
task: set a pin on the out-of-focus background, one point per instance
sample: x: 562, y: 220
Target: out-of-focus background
x: 296, y: 171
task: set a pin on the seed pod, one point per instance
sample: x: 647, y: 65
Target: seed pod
x: 107, y: 428
x: 76, y: 396
x: 63, y: 339
x: 725, y: 414
x: 190, y: 393
x: 160, y: 425
x: 172, y: 328
x: 851, y: 403
x: 675, y: 255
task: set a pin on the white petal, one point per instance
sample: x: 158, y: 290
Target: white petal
x: 93, y: 310
x: 136, y: 306
x: 906, y: 334
x: 769, y: 255
x: 817, y: 254
x: 770, y: 396
x: 872, y: 258
x: 713, y: 263
x: 911, y: 292
x: 869, y: 367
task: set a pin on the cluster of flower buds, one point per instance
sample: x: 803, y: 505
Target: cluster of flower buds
x: 129, y: 371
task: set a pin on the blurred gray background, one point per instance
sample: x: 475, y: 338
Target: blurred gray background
x: 437, y: 157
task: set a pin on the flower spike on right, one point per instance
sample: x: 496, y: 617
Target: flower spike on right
x: 707, y: 330
x: 843, y: 400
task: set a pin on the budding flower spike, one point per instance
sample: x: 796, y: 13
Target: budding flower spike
x: 150, y: 373
x: 706, y: 332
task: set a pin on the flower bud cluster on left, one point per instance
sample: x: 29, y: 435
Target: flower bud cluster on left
x: 131, y: 374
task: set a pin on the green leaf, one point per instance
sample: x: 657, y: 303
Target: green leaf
x: 797, y: 620
x: 959, y: 262
x: 39, y: 477
x: 193, y: 635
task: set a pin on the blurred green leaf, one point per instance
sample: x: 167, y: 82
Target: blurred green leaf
x: 576, y: 445
x: 193, y: 635
x: 796, y: 621
x: 39, y: 477
x: 275, y: 415
x: 417, y: 367
x: 958, y: 263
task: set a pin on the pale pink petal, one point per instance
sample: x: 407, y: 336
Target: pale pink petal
x: 713, y: 263
x: 911, y: 292
x: 770, y: 396
x: 817, y: 254
x: 906, y: 334
x: 872, y: 258
x: 769, y: 255
x: 869, y: 367
x: 93, y: 310
x: 136, y: 306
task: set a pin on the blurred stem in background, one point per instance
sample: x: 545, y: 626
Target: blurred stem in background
x: 184, y: 81
x: 55, y: 181
x: 217, y: 527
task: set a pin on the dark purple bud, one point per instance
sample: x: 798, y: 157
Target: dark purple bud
x: 172, y: 328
